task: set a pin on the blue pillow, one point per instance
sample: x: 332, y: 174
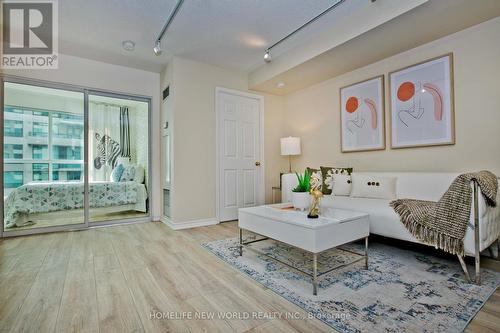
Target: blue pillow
x: 128, y: 174
x: 117, y: 173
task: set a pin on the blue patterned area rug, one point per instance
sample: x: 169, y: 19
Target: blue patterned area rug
x: 402, y: 291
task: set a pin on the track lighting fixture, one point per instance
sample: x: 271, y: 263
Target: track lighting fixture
x: 267, y: 56
x: 157, y: 48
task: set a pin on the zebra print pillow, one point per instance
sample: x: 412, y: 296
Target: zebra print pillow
x: 128, y: 174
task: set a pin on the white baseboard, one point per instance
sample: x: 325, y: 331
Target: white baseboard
x: 188, y: 224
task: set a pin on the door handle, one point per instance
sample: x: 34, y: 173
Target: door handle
x: 257, y: 163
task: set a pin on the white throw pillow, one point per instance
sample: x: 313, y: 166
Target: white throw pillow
x: 366, y: 186
x: 339, y: 184
x: 139, y: 174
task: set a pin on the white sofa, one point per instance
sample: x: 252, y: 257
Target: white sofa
x: 415, y: 185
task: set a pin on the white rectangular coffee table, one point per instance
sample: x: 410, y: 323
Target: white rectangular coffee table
x: 334, y: 227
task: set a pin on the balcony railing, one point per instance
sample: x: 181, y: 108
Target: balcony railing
x: 38, y: 134
x: 56, y: 136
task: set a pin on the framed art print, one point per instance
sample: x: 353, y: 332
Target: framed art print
x: 362, y: 116
x: 422, y: 111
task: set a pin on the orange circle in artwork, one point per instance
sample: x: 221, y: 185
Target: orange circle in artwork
x: 351, y: 105
x: 406, y: 91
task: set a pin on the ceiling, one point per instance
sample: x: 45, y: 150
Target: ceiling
x: 425, y: 23
x: 235, y: 33
x: 226, y: 33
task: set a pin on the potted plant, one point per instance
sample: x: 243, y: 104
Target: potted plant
x: 300, y: 196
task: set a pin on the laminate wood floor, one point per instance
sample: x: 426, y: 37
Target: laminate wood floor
x: 76, y: 217
x: 113, y: 279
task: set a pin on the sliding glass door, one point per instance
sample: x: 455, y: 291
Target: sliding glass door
x: 72, y: 157
x: 118, y: 158
x: 42, y: 157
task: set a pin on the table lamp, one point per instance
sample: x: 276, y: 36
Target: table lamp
x: 290, y: 146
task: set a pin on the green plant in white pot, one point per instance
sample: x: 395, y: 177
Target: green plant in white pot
x: 301, y: 198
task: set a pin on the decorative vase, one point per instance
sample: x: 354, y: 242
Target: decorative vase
x: 301, y: 200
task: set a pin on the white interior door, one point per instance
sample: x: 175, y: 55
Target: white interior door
x: 240, y: 172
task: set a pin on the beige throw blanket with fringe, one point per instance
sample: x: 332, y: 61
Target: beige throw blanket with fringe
x: 443, y: 224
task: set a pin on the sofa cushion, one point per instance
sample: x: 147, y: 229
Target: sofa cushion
x: 369, y: 186
x: 316, y: 178
x: 383, y: 220
x: 327, y: 174
x: 340, y: 184
x: 419, y: 185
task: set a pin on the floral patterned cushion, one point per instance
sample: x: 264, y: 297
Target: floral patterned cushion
x: 339, y: 184
x: 316, y: 178
x: 128, y: 174
x: 328, y: 179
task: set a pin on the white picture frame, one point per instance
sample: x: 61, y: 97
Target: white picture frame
x: 422, y: 106
x: 362, y: 116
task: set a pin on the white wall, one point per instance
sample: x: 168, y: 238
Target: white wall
x: 113, y: 78
x: 274, y: 129
x: 191, y: 113
x: 194, y: 84
x: 313, y: 113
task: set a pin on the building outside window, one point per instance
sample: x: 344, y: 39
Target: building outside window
x: 28, y: 138
x: 67, y: 172
x: 40, y: 152
x: 67, y: 126
x: 40, y: 129
x: 12, y: 151
x: 13, y: 128
x: 40, y: 172
x: 13, y: 109
x: 12, y: 179
x: 66, y: 153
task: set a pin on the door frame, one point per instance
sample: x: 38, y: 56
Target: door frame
x: 261, y: 187
x: 86, y: 92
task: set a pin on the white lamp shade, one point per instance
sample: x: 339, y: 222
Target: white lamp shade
x: 290, y: 146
